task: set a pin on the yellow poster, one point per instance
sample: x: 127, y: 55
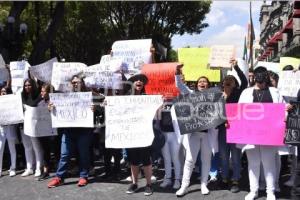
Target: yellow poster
x: 195, y: 62
x: 284, y: 61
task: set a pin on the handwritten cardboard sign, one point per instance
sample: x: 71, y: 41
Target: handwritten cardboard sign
x: 220, y: 55
x: 289, y: 83
x: 43, y: 71
x: 11, y: 109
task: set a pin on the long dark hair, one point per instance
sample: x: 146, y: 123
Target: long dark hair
x: 196, y: 88
x: 34, y: 90
x: 83, y: 88
x: 7, y: 89
x: 230, y: 77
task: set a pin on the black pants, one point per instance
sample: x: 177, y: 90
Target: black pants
x: 295, y: 193
x: 108, y: 154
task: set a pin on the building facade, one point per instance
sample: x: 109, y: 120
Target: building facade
x: 280, y: 30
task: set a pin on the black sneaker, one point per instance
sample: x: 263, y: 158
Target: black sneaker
x: 235, y: 187
x: 44, y: 176
x: 148, y: 190
x: 132, y: 189
x: 223, y: 184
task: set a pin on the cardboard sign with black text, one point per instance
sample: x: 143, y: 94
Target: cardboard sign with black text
x: 200, y: 111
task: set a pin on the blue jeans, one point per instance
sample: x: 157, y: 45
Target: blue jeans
x: 225, y: 149
x: 79, y: 138
x: 215, y: 162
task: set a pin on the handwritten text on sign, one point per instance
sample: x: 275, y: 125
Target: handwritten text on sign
x: 129, y: 119
x: 11, y: 110
x: 220, y: 55
x: 293, y: 125
x: 37, y: 121
x: 256, y: 123
x: 19, y: 72
x: 62, y: 74
x: 72, y: 109
x: 289, y: 83
x: 43, y: 71
x: 161, y: 79
x: 134, y: 53
x: 200, y: 111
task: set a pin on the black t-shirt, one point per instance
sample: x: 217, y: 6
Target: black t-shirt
x: 262, y: 96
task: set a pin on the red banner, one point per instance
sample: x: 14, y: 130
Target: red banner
x: 161, y: 79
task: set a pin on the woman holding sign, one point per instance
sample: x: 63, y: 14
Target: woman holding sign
x: 31, y: 98
x: 207, y: 141
x: 8, y: 132
x: 231, y: 93
x: 257, y: 154
x: 142, y: 155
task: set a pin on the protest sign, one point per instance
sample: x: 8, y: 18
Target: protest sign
x: 256, y: 123
x: 270, y: 66
x: 133, y: 53
x: 62, y: 74
x: 243, y: 66
x: 289, y: 83
x: 295, y: 62
x: 128, y: 120
x: 105, y: 59
x: 4, y: 75
x: 11, y: 109
x: 43, y: 71
x: 195, y: 62
x: 292, y: 132
x: 19, y: 72
x: 72, y: 109
x: 2, y: 62
x: 200, y: 111
x: 220, y: 55
x: 104, y: 75
x: 37, y: 121
x: 161, y: 79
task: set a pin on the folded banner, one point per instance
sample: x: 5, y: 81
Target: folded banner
x: 256, y: 123
x: 161, y: 79
x: 128, y: 120
x: 72, y: 109
x: 43, y: 71
x: 292, y: 132
x: 200, y: 111
x: 11, y: 109
x: 37, y: 121
x: 195, y: 62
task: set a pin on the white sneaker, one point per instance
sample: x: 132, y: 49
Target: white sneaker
x: 37, y: 173
x: 153, y: 179
x: 271, y: 196
x: 12, y: 172
x: 251, y: 196
x: 182, y: 191
x: 27, y: 172
x: 167, y: 182
x: 204, y: 189
x: 176, y: 184
x: 129, y: 179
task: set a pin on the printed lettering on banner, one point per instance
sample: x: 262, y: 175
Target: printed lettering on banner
x: 292, y: 131
x: 72, y: 109
x: 200, y: 111
x: 129, y: 120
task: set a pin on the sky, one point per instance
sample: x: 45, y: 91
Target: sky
x: 228, y: 22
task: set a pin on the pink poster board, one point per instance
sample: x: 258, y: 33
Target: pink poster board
x: 256, y: 123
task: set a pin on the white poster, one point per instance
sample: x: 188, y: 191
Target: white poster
x: 4, y: 75
x: 37, y: 121
x: 19, y: 72
x: 128, y: 120
x: 133, y: 53
x: 11, y: 109
x: 289, y: 83
x: 220, y: 55
x: 104, y: 76
x: 72, y: 109
x: 43, y: 71
x: 62, y: 74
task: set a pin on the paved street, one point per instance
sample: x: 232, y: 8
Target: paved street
x: 18, y: 188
